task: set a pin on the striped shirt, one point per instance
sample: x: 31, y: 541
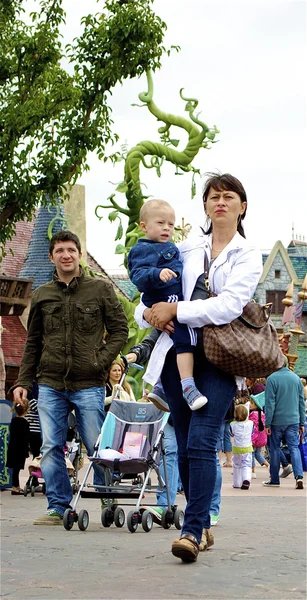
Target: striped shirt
x: 33, y: 418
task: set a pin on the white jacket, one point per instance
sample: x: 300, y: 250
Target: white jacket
x: 234, y: 276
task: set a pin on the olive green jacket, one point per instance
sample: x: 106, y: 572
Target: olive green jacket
x: 67, y: 346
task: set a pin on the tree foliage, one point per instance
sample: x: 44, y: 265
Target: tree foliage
x: 51, y: 117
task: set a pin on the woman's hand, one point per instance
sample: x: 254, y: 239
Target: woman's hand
x: 160, y: 316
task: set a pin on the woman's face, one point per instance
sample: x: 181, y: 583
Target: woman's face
x: 224, y: 207
x: 115, y: 372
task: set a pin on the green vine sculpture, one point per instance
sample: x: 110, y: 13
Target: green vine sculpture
x: 199, y: 136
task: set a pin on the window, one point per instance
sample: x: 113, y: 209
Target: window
x: 276, y: 298
x: 277, y: 274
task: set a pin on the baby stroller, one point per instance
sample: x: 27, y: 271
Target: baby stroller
x: 128, y: 448
x: 73, y: 458
x: 73, y: 451
x: 36, y: 481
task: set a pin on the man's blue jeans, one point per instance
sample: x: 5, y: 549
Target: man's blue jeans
x: 291, y: 433
x: 197, y: 433
x: 54, y: 407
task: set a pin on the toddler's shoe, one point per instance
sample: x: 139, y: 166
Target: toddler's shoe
x: 245, y: 485
x: 194, y: 398
x: 157, y: 397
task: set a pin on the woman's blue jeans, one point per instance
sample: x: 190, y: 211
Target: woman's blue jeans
x: 171, y: 456
x: 54, y: 407
x: 291, y: 433
x: 197, y: 433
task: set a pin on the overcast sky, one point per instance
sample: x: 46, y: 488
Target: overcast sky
x: 245, y: 61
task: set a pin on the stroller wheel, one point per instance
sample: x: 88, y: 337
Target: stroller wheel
x: 32, y: 490
x: 25, y: 490
x: 147, y: 521
x: 107, y: 517
x: 132, y: 521
x: 83, y: 520
x: 178, y: 518
x: 119, y: 517
x: 167, y: 518
x: 69, y: 518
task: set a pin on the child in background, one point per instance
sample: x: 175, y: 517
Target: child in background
x: 155, y: 269
x: 241, y: 430
x: 259, y: 436
x: 17, y: 451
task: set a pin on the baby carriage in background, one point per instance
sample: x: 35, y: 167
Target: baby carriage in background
x: 128, y: 449
x: 73, y: 458
x: 36, y: 481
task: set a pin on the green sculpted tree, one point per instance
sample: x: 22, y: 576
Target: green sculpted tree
x: 50, y: 118
x: 199, y: 136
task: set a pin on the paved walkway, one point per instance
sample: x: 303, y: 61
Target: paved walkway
x: 259, y: 552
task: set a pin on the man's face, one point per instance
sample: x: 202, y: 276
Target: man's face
x: 66, y: 256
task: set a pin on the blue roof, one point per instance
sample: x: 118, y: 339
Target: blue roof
x: 37, y: 264
x: 126, y: 286
x: 300, y: 265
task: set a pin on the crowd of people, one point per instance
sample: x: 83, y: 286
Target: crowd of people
x: 77, y: 328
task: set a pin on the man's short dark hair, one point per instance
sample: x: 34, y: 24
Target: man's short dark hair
x: 64, y: 235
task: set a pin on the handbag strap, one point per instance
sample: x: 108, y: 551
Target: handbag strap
x: 206, y: 274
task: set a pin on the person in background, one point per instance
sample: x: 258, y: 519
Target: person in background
x: 114, y: 376
x: 66, y: 352
x: 18, y: 446
x: 35, y: 438
x: 259, y: 436
x: 284, y: 416
x: 241, y: 430
x: 235, y: 268
x: 224, y: 444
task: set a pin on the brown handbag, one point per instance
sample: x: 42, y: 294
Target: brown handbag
x: 248, y: 346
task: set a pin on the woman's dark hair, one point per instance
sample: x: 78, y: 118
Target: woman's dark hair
x: 64, y: 235
x: 225, y: 182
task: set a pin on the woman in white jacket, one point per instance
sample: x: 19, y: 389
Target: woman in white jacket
x: 235, y: 269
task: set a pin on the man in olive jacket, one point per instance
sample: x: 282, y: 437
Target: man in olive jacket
x: 67, y: 353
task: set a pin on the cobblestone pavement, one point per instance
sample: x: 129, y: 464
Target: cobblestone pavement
x: 259, y: 552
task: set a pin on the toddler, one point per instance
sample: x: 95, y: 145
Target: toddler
x: 241, y: 430
x: 155, y: 269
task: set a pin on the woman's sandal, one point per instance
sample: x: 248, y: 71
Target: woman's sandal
x: 186, y: 548
x: 207, y: 540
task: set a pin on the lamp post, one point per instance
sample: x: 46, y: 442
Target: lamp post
x: 293, y: 315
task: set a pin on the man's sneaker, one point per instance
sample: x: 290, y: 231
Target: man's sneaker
x: 270, y: 484
x: 194, y: 398
x: 157, y: 397
x: 214, y: 519
x: 156, y: 512
x: 286, y: 471
x: 299, y: 483
x: 52, y: 517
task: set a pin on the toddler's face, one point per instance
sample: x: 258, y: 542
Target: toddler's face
x: 159, y: 226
